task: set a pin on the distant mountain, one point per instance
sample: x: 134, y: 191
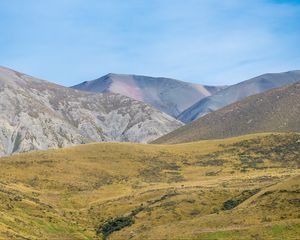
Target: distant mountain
x: 168, y: 95
x: 238, y: 92
x: 36, y: 114
x: 276, y: 110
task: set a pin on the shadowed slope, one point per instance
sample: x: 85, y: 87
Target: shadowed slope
x: 277, y: 110
x: 238, y: 92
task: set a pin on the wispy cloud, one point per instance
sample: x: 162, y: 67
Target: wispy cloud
x: 207, y: 41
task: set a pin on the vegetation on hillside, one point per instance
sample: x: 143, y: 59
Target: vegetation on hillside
x: 246, y: 187
x: 276, y: 110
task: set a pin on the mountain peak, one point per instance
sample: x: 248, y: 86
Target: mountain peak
x: 112, y: 74
x: 168, y: 95
x: 37, y: 114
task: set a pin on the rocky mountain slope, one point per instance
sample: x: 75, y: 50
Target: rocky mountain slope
x: 36, y: 114
x: 238, y: 92
x: 168, y: 95
x: 276, y: 110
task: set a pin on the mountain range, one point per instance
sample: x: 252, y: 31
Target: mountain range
x: 182, y: 100
x: 36, y: 114
x: 276, y: 110
x: 242, y: 187
x: 165, y: 94
x: 238, y: 92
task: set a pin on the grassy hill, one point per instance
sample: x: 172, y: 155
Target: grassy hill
x: 276, y: 110
x: 246, y: 187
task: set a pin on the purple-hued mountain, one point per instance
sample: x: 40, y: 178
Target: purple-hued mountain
x: 237, y: 93
x: 165, y: 94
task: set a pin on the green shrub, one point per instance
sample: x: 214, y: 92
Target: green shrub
x: 232, y: 203
x: 115, y: 224
x: 137, y: 210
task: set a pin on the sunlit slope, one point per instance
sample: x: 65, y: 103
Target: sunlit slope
x: 272, y: 213
x: 213, y: 189
x: 276, y: 110
x: 38, y: 115
x: 24, y: 216
x: 165, y: 94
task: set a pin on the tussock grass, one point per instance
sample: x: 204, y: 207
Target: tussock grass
x: 142, y: 191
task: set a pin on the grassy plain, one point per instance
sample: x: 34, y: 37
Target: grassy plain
x: 239, y: 188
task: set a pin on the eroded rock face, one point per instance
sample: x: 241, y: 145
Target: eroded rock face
x: 36, y: 114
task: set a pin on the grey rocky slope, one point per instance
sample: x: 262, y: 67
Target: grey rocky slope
x: 276, y: 110
x: 36, y: 114
x: 238, y: 92
x: 168, y: 95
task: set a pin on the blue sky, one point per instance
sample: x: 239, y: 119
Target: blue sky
x: 205, y: 41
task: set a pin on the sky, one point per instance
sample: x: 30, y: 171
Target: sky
x: 211, y: 42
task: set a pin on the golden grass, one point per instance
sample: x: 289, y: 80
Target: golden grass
x: 171, y: 191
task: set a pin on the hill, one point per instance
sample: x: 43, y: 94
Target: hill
x: 238, y: 92
x: 36, y: 114
x: 276, y: 110
x: 168, y: 95
x: 239, y: 188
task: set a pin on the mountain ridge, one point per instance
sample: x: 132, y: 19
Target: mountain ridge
x: 169, y: 95
x: 238, y: 92
x: 36, y: 114
x: 276, y: 110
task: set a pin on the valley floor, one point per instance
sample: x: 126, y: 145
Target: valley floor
x: 240, y: 188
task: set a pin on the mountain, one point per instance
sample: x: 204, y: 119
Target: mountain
x: 238, y: 92
x: 168, y: 95
x: 276, y: 110
x: 239, y: 188
x: 36, y: 114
